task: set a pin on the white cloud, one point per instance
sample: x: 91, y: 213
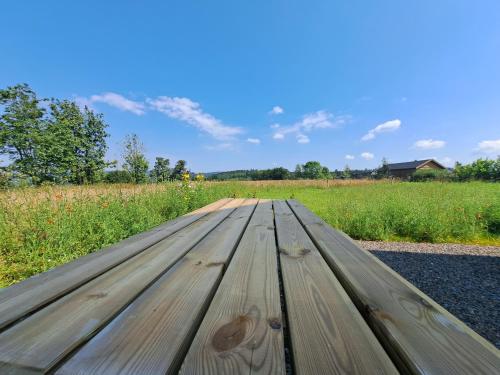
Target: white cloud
x: 277, y: 110
x: 489, y: 147
x: 255, y: 141
x: 388, y: 126
x: 429, y: 144
x: 184, y: 109
x: 302, y: 138
x: 275, y: 126
x: 367, y: 155
x: 350, y: 157
x: 309, y: 122
x: 118, y: 101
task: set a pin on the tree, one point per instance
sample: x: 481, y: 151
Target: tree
x: 179, y: 170
x: 135, y: 161
x: 93, y: 147
x: 299, y: 171
x: 383, y: 170
x: 75, y: 144
x: 67, y: 145
x: 346, y: 174
x: 22, y: 129
x: 161, y: 170
x: 313, y: 170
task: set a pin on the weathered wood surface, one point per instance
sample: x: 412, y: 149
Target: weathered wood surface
x: 153, y: 333
x: 328, y: 334
x: 242, y: 330
x: 43, y: 339
x: 209, y: 293
x: 420, y: 335
x: 27, y: 296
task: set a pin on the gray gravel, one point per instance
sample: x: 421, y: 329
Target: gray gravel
x: 464, y: 279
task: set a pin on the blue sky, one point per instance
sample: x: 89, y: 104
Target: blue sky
x: 232, y: 84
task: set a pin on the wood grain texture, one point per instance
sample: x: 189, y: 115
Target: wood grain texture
x: 151, y: 336
x: 328, y: 334
x: 28, y: 295
x: 420, y: 335
x: 43, y: 339
x: 242, y: 330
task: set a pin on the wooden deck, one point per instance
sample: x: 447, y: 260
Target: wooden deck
x: 241, y: 286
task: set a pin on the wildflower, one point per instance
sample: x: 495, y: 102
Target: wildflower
x: 185, y: 177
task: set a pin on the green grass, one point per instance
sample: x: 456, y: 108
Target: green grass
x: 44, y: 227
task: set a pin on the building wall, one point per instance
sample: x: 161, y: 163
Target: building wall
x: 402, y: 173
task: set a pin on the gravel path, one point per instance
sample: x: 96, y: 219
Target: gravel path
x: 464, y: 279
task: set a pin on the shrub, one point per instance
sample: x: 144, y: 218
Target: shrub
x: 431, y: 175
x: 118, y: 177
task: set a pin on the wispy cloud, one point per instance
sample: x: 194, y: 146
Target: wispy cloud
x: 367, y: 155
x: 186, y: 110
x: 277, y: 110
x: 429, y: 144
x: 118, y: 101
x: 302, y: 138
x: 309, y: 122
x: 114, y: 100
x: 489, y: 147
x: 350, y: 157
x: 386, y: 127
x: 255, y: 141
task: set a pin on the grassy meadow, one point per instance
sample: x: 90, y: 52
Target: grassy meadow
x: 47, y: 226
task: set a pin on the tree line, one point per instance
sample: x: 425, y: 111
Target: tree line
x: 481, y: 169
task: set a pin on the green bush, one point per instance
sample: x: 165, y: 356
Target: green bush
x: 118, y: 177
x: 481, y: 169
x: 431, y: 175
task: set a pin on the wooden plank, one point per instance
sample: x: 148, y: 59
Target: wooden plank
x: 152, y: 335
x: 29, y: 295
x: 44, y: 338
x: 328, y: 334
x: 420, y: 335
x: 241, y: 332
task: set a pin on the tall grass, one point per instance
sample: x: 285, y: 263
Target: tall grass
x: 44, y: 227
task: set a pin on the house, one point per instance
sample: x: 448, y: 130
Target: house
x: 405, y: 170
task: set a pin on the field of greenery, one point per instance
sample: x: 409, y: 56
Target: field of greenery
x: 41, y: 227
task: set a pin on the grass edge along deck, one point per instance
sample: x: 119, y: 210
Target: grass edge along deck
x: 420, y: 335
x: 43, y: 339
x: 27, y: 296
